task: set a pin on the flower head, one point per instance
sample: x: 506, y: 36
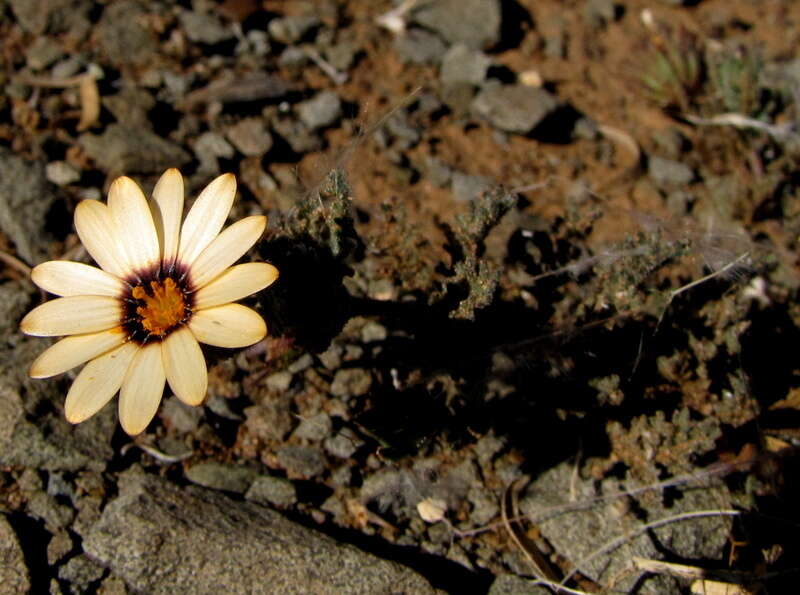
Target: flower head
x: 163, y: 286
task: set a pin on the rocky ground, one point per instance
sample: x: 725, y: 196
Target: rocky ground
x: 537, y: 260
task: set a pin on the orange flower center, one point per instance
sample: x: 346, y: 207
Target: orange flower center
x: 164, y: 306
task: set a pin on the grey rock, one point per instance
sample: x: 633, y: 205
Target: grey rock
x: 30, y: 481
x: 344, y: 445
x: 475, y: 23
x: 301, y: 364
x: 465, y: 187
x: 299, y: 137
x: 130, y: 106
x: 45, y: 507
x: 458, y: 97
x: 668, y: 173
x: 600, y: 13
x: 342, y: 55
x: 190, y: 540
x: 25, y: 199
x: 272, y: 490
x: 255, y: 43
x: 373, y: 331
x: 301, y: 461
x: 398, y: 490
x: 179, y: 416
x: 80, y: 572
x: 293, y: 58
x: 484, y: 506
x: 204, y: 28
x: 280, y: 381
x: 14, y: 574
x: 321, y: 111
x: 125, y: 149
x: 314, y: 428
x: 269, y: 421
x: 487, y: 448
x: 220, y: 476
x: 437, y: 171
x: 53, y: 16
x: 61, y: 173
x: 112, y: 585
x: 42, y: 53
x: 123, y: 35
x: 464, y: 65
x: 222, y: 407
x: 50, y: 443
x: 176, y: 83
x: 335, y: 507
x: 250, y: 136
x: 59, y: 486
x: 229, y: 88
x: 209, y: 147
x: 402, y: 132
x: 577, y: 534
x: 351, y: 382
x: 331, y: 358
x: 514, y: 108
x: 511, y: 584
x: 291, y: 29
x: 343, y: 476
x: 68, y: 67
x: 419, y: 46
x: 59, y: 546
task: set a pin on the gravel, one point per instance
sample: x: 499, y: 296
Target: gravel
x: 477, y: 25
x: 301, y: 461
x: 464, y: 65
x: 204, y: 28
x: 274, y: 491
x: 219, y: 476
x: 291, y: 29
x: 419, y: 46
x: 321, y: 111
x: 250, y: 137
x: 351, y: 382
x: 514, y: 108
x: 131, y: 150
x: 315, y: 428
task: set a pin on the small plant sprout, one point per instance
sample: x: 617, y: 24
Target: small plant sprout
x: 163, y: 286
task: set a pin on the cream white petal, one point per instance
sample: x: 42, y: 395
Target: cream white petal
x: 167, y: 212
x: 231, y: 325
x: 75, y: 350
x: 99, y: 380
x: 98, y: 234
x: 142, y: 389
x: 185, y: 366
x: 237, y: 282
x: 206, y: 217
x: 134, y: 220
x: 72, y: 315
x: 226, y: 249
x: 66, y: 278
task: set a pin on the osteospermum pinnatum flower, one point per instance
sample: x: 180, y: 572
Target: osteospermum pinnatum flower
x: 162, y: 288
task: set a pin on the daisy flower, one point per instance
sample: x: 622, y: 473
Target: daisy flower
x: 162, y: 288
